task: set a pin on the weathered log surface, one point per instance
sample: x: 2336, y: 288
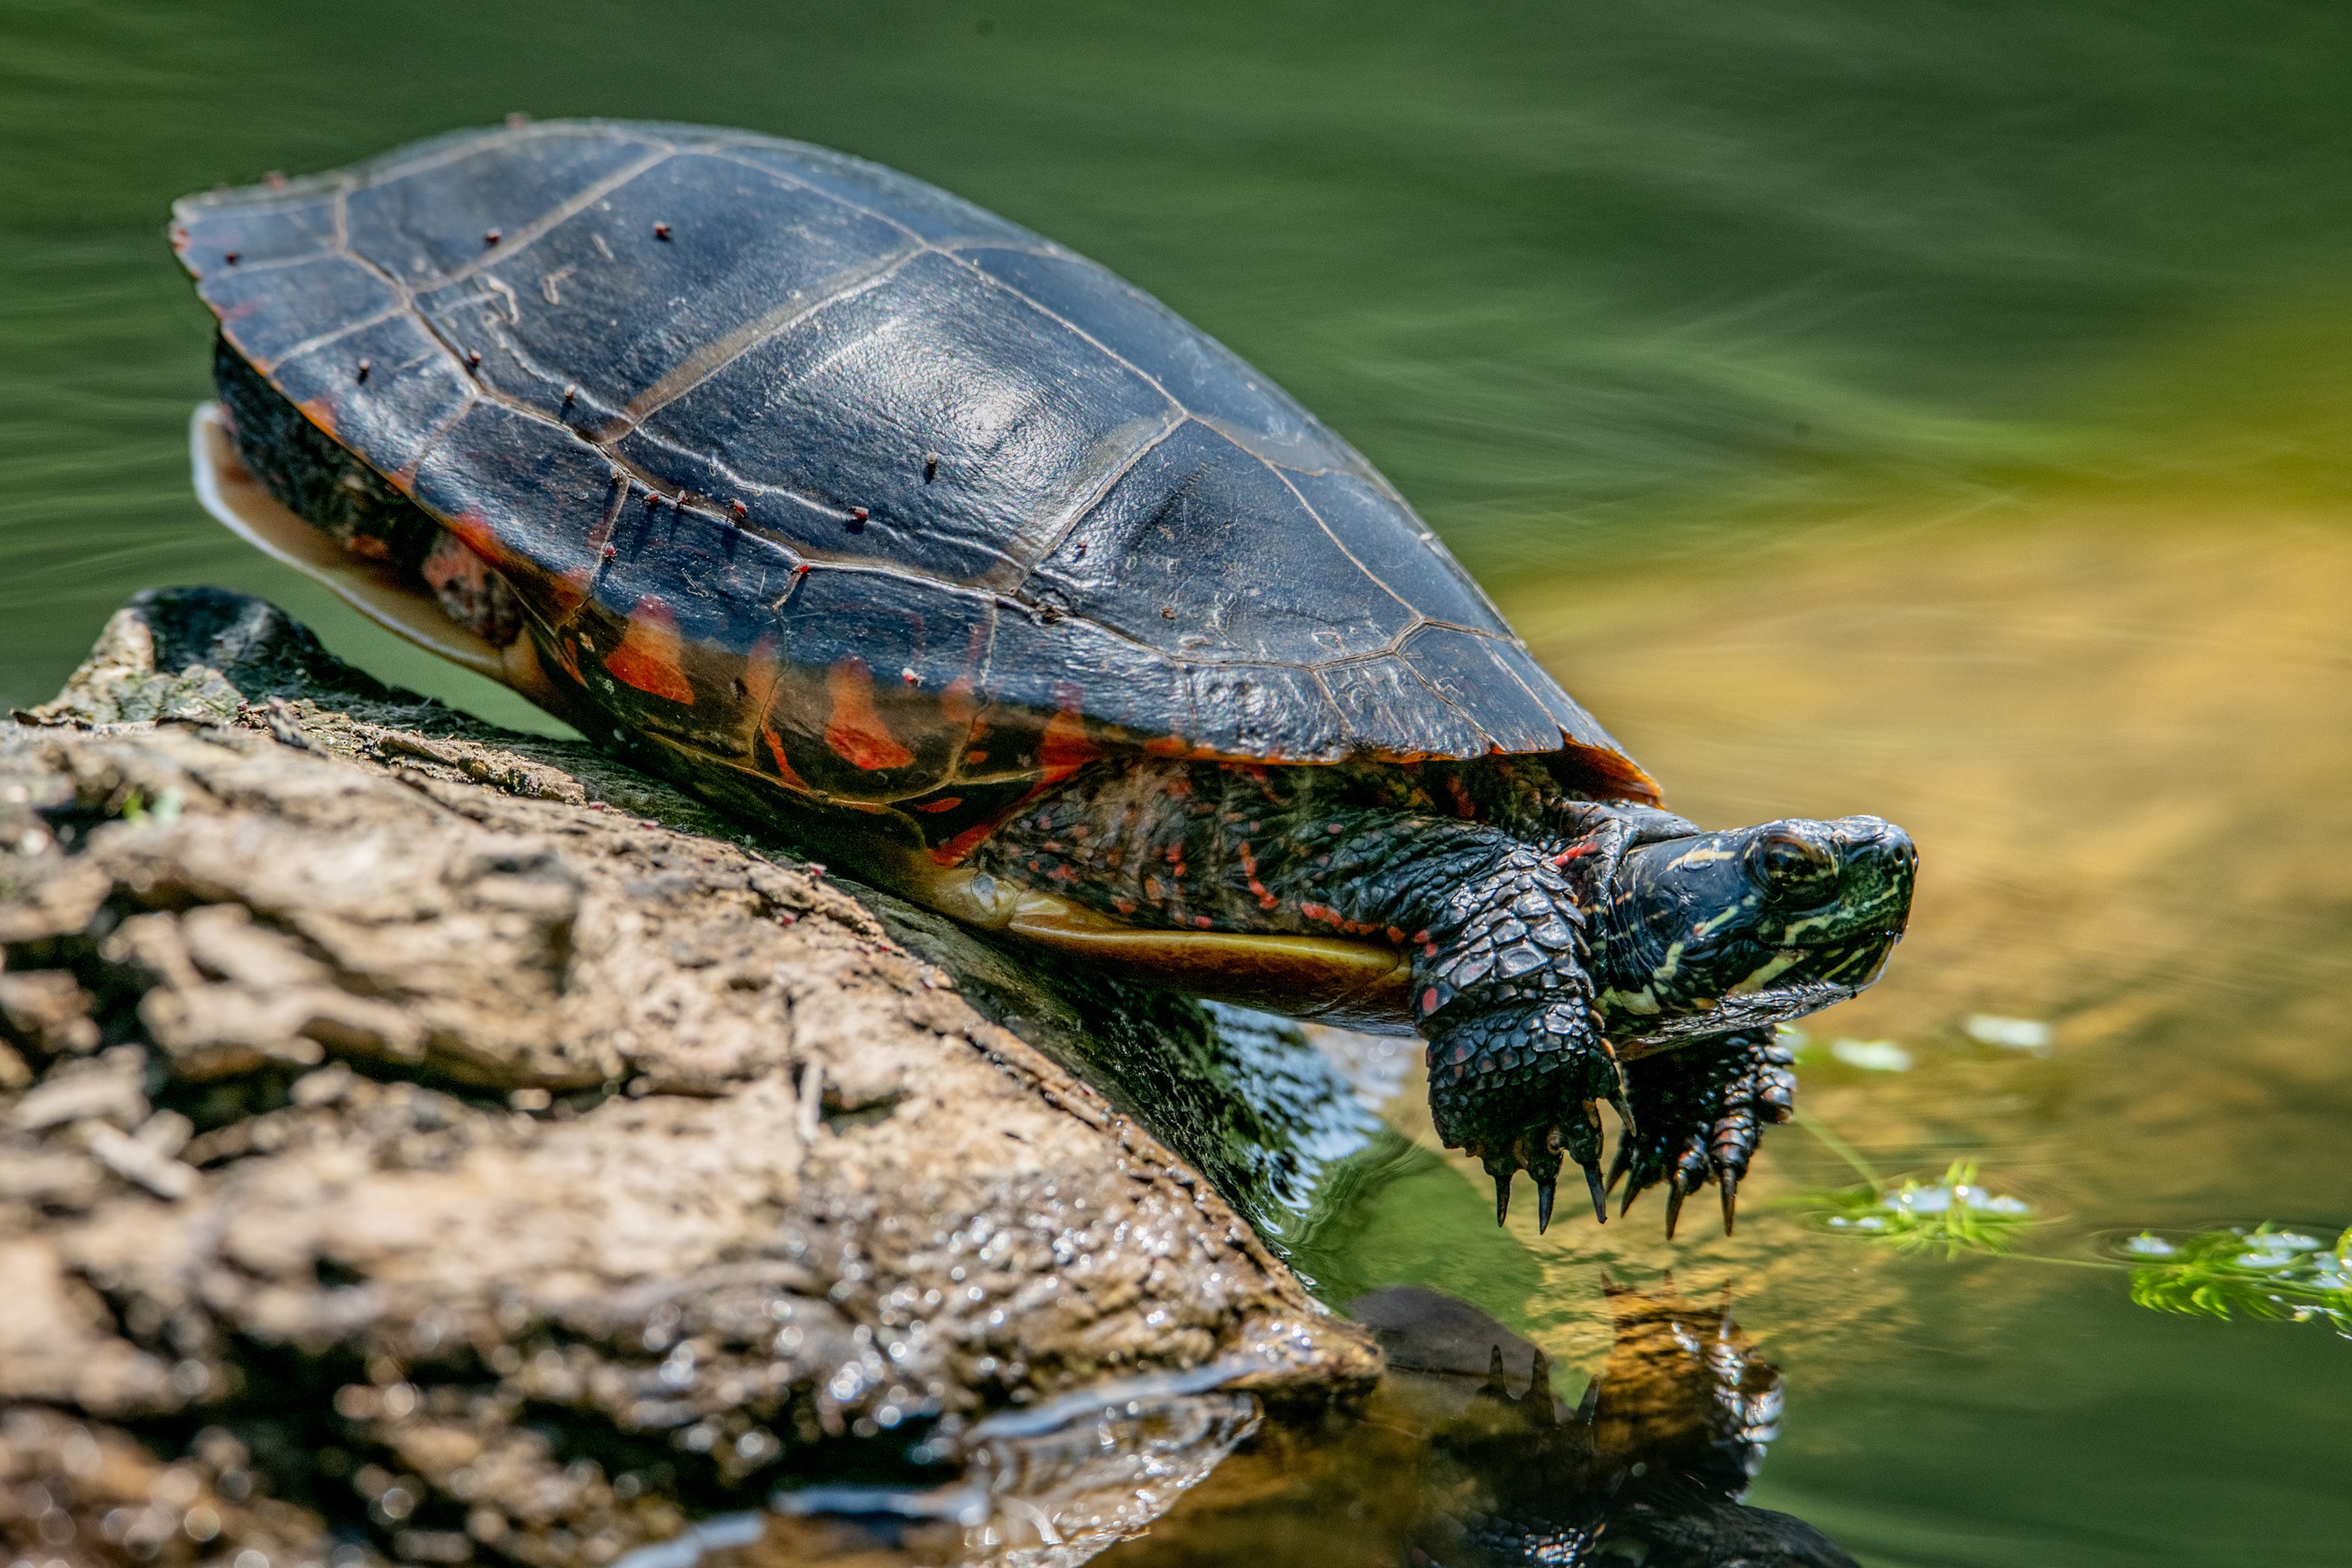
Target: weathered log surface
x: 454, y: 1144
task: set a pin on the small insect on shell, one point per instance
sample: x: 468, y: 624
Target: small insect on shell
x: 362, y: 374
x: 910, y: 677
x: 930, y: 467
x: 740, y: 510
x: 661, y: 231
x: 490, y: 237
x: 473, y: 357
x: 230, y: 256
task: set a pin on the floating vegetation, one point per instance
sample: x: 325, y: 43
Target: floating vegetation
x: 1873, y: 1055
x: 1953, y: 1216
x: 2008, y: 1034
x: 2258, y: 1272
x: 2261, y: 1271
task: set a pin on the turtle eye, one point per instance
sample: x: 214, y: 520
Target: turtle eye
x: 1794, y: 868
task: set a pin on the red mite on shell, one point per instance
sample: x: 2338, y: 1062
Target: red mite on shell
x: 661, y: 231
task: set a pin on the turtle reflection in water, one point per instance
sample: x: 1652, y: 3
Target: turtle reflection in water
x: 848, y: 503
x: 1648, y: 1468
x: 1466, y: 1458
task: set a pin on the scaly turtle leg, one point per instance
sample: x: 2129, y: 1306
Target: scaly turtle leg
x: 1702, y: 1110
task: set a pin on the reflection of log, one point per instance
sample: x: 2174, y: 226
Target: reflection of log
x: 402, y: 1124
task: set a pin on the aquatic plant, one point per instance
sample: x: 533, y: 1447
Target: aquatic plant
x: 1955, y: 1214
x: 2263, y: 1271
x: 2260, y: 1271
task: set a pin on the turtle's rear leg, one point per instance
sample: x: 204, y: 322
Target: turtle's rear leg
x: 1701, y: 1111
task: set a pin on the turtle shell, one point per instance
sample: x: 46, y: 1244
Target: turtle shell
x: 816, y: 472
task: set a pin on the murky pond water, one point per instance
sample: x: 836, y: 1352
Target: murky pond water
x: 1941, y: 413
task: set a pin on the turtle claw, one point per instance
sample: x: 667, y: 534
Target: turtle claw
x: 1704, y: 1107
x: 1599, y: 1196
x: 1486, y: 1102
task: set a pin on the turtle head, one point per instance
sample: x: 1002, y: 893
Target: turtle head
x: 1706, y: 933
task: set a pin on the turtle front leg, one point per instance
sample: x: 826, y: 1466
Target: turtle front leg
x: 1702, y: 1110
x: 1517, y: 1065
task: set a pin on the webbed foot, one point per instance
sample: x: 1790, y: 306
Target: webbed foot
x: 1520, y: 1087
x: 1702, y: 1110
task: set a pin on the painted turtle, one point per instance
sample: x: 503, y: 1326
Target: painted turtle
x: 846, y: 499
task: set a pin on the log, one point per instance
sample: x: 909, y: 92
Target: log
x: 424, y: 1142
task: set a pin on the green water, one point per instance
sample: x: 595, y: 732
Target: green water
x: 1935, y: 410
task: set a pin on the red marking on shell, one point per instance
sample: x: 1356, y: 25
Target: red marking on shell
x: 855, y: 730
x: 1204, y: 921
x: 567, y: 654
x: 760, y: 667
x: 783, y: 768
x: 964, y: 842
x: 1565, y: 856
x: 1124, y: 905
x: 567, y: 591
x: 974, y: 757
x: 956, y: 702
x: 475, y: 530
x: 319, y: 412
x: 933, y: 808
x: 1167, y: 746
x: 650, y: 651
x: 1428, y: 1003
x: 1065, y: 747
x: 1396, y: 936
x: 1420, y: 936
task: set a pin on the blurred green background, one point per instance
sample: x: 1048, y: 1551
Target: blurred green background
x: 1579, y: 277
x: 1935, y: 409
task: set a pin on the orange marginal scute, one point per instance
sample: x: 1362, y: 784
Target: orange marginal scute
x: 855, y: 730
x: 783, y: 769
x: 319, y: 412
x: 648, y: 657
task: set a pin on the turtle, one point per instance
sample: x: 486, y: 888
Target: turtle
x: 858, y: 508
